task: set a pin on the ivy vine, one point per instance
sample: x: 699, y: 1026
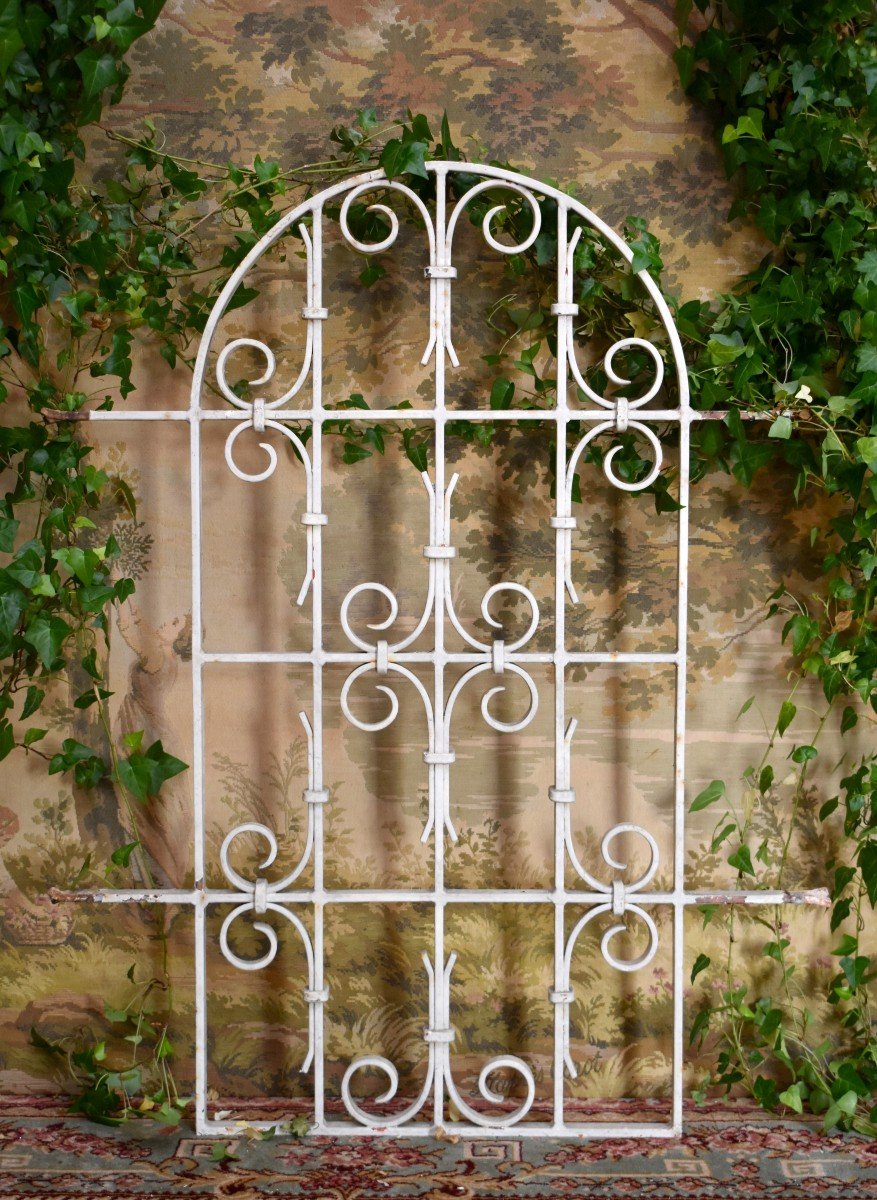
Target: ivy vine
x: 92, y: 270
x: 792, y: 90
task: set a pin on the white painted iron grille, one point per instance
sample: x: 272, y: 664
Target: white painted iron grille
x: 574, y: 909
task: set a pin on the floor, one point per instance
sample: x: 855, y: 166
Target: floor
x: 729, y: 1151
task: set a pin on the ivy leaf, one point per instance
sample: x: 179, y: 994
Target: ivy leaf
x: 722, y: 835
x: 92, y: 696
x: 123, y: 589
x: 168, y: 1115
x: 89, y: 663
x: 751, y: 125
x: 415, y: 451
x: 7, y: 738
x: 685, y: 60
x: 765, y: 1092
x: 781, y: 428
x: 645, y: 246
x: 47, y: 635
x: 371, y: 273
x: 867, y: 266
x: 367, y: 119
x: 88, y: 769
x: 707, y: 911
x: 8, y: 529
x: 143, y: 773
x: 12, y: 605
x: 843, y: 1107
x: 724, y: 348
x: 710, y: 794
x: 131, y: 1081
x: 448, y: 147
x: 866, y: 448
x: 44, y: 587
x: 124, y: 492
x: 867, y: 862
x: 700, y: 964
x: 25, y: 568
x: 31, y: 25
x: 118, y: 360
x: 501, y: 393
x: 354, y: 452
x: 99, y: 1102
x: 33, y: 698
x: 243, y: 295
x: 189, y: 184
x: 793, y: 1097
x: 848, y: 719
x: 11, y: 40
x: 99, y: 71
x: 803, y: 754
x: 699, y: 1026
x: 786, y: 717
x: 400, y: 157
x: 802, y: 629
x: 121, y: 856
x: 420, y: 126
x: 742, y: 861
x: 220, y: 1153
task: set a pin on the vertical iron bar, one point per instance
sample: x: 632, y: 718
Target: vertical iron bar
x: 439, y: 535
x: 200, y: 913
x: 316, y: 532
x: 561, y: 753
x: 679, y: 761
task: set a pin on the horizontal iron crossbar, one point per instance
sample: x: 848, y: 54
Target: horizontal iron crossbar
x: 395, y: 414
x: 819, y: 897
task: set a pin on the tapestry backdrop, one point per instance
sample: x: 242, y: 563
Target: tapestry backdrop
x: 581, y: 92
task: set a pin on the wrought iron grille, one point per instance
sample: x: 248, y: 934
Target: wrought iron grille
x: 626, y: 900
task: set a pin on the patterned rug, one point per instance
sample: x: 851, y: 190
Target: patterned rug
x: 728, y: 1151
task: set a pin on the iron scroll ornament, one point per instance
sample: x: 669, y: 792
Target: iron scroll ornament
x: 376, y: 655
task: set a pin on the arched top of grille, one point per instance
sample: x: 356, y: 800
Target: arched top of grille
x: 440, y: 217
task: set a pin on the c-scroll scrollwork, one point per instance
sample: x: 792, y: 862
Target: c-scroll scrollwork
x: 438, y: 1037
x: 259, y: 408
x: 265, y: 896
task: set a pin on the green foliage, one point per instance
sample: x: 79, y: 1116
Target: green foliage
x: 124, y: 1073
x: 794, y: 95
x: 792, y: 90
x: 220, y: 1153
x: 91, y: 271
x: 760, y: 1037
x: 143, y: 772
x: 76, y: 283
x: 710, y: 794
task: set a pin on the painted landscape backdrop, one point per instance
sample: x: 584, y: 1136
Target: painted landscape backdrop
x: 569, y: 91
